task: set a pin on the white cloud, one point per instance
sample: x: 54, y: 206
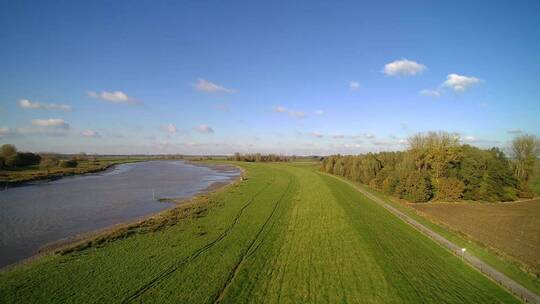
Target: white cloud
x: 403, y: 67
x: 280, y: 109
x: 205, y: 129
x: 475, y: 140
x: 514, y: 131
x: 114, y: 97
x: 291, y: 113
x: 28, y: 104
x: 170, y: 128
x: 317, y: 134
x: 369, y: 135
x: 90, y: 133
x: 338, y: 136
x: 297, y: 114
x: 403, y: 141
x: 460, y: 83
x: 469, y: 138
x: 51, y: 123
x: 4, y: 131
x: 352, y: 145
x: 430, y: 93
x: 319, y: 112
x: 210, y: 87
x: 354, y: 85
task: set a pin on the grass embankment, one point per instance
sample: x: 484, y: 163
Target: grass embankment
x: 286, y: 235
x: 34, y: 173
x: 497, y: 259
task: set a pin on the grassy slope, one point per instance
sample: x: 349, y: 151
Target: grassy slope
x: 504, y: 264
x: 287, y: 235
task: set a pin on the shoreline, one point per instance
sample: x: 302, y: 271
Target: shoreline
x: 55, y: 247
x: 56, y: 176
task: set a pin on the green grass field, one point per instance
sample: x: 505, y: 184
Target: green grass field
x: 285, y: 235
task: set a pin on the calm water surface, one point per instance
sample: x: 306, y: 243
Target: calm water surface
x: 32, y: 216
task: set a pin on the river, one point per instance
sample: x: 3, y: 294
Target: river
x: 34, y: 215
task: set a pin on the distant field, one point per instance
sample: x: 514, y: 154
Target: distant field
x: 285, y: 235
x: 513, y: 228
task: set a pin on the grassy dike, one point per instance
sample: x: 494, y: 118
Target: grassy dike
x: 286, y: 234
x: 497, y: 259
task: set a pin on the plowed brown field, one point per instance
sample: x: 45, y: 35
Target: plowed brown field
x: 513, y: 228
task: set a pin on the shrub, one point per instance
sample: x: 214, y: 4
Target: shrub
x: 68, y: 163
x: 81, y: 157
x: 48, y: 162
x: 390, y: 184
x: 510, y: 194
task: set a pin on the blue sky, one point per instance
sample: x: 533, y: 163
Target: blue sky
x: 307, y: 77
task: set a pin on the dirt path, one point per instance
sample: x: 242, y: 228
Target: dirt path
x: 511, y: 285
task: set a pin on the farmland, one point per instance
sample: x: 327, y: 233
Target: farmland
x: 513, y: 228
x: 285, y: 234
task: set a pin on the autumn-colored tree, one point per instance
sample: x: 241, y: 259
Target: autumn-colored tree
x: 436, y: 166
x: 525, y: 150
x: 449, y: 189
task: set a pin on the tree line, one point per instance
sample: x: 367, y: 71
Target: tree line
x: 11, y: 159
x: 436, y: 166
x: 258, y: 157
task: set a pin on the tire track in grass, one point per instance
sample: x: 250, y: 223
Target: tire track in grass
x: 273, y: 222
x: 287, y: 253
x: 249, y: 251
x: 274, y: 266
x: 167, y: 272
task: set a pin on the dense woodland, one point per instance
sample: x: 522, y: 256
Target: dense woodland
x: 437, y: 167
